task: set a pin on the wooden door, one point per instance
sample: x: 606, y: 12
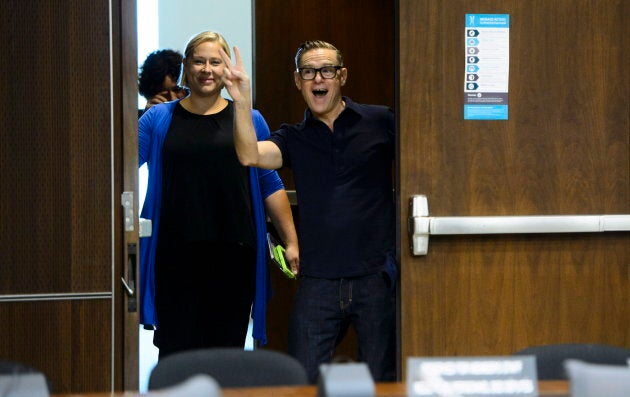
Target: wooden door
x: 125, y: 112
x: 62, y: 244
x: 564, y: 150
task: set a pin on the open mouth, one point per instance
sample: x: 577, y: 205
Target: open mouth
x: 320, y: 93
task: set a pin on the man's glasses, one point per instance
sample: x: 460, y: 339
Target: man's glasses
x: 327, y: 72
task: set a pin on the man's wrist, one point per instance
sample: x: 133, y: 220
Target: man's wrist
x: 243, y: 103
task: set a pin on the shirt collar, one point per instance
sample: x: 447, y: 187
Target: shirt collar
x: 350, y: 106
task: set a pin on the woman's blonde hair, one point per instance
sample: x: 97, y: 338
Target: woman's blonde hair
x: 194, y: 42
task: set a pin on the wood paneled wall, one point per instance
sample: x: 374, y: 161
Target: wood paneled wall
x: 67, y: 340
x: 364, y: 32
x: 56, y: 198
x: 55, y: 145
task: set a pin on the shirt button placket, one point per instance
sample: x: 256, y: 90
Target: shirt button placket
x: 337, y: 152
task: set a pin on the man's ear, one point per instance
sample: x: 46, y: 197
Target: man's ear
x: 297, y: 80
x: 343, y: 76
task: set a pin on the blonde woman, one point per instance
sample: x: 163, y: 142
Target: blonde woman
x: 205, y: 262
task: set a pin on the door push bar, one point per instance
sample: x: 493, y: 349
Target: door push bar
x: 421, y: 225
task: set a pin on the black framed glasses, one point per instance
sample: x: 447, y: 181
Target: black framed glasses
x: 327, y: 72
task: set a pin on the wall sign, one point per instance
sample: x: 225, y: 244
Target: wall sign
x: 487, y: 66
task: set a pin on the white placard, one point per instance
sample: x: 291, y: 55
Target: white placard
x: 472, y: 376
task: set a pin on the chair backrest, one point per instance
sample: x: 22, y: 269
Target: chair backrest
x: 598, y: 380
x: 550, y: 358
x: 230, y: 367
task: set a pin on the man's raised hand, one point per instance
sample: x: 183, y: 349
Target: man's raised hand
x: 235, y: 77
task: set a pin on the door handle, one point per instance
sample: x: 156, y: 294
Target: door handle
x: 128, y: 288
x: 129, y: 284
x: 421, y: 225
x: 129, y: 270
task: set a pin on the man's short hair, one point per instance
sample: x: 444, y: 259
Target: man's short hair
x: 156, y: 67
x: 314, y: 44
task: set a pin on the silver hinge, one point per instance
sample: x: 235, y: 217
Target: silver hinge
x: 128, y: 210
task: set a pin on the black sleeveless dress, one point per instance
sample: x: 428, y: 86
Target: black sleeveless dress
x: 205, y: 259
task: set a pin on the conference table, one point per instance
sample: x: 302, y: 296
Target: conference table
x: 545, y: 389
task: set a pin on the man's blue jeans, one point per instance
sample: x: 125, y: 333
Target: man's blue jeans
x: 322, y: 311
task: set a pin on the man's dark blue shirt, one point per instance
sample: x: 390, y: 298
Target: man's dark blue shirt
x: 343, y: 181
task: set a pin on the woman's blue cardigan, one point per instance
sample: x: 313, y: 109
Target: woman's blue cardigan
x: 152, y: 129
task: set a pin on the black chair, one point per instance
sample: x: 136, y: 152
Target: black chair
x: 12, y: 367
x: 550, y: 358
x: 230, y: 367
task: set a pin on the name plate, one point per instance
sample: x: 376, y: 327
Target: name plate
x: 500, y: 376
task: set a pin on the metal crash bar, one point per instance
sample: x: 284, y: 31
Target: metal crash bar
x: 422, y: 225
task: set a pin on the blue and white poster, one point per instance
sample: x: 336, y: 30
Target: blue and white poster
x: 487, y: 66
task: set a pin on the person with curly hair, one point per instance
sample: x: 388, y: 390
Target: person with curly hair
x: 157, y: 81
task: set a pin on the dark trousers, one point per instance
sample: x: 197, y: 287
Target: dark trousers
x: 204, y: 292
x: 323, y: 309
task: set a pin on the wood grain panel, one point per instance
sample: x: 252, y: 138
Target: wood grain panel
x: 583, y: 298
x: 125, y: 102
x: 56, y: 194
x: 66, y: 340
x: 365, y: 34
x: 56, y: 176
x: 564, y: 150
